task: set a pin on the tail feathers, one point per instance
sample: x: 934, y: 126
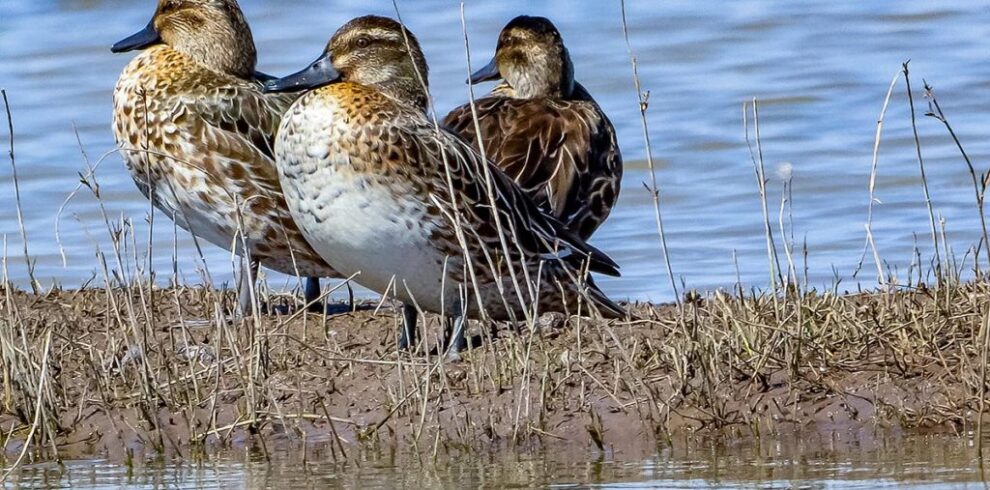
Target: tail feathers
x: 605, y: 306
x: 602, y: 263
x: 598, y: 261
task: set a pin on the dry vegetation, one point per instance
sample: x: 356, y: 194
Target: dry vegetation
x: 102, y: 371
x: 127, y: 368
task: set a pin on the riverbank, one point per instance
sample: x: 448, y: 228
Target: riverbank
x: 129, y: 374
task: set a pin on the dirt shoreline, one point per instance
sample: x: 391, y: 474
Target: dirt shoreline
x: 128, y: 374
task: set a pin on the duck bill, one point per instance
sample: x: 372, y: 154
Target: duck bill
x: 319, y: 73
x: 488, y: 72
x: 142, y: 39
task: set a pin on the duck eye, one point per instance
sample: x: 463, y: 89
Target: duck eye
x: 362, y: 42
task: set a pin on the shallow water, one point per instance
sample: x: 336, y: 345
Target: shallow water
x: 821, y: 70
x: 838, y: 461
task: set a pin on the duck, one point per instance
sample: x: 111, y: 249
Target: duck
x: 196, y: 134
x: 543, y: 128
x: 411, y: 209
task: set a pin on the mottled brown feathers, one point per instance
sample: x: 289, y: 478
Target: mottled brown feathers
x: 196, y: 134
x: 412, y: 209
x: 394, y: 140
x: 543, y: 128
x: 562, y: 152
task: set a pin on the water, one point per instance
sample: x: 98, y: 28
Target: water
x: 820, y: 70
x: 839, y: 461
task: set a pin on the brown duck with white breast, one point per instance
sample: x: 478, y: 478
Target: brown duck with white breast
x: 412, y: 211
x: 196, y: 133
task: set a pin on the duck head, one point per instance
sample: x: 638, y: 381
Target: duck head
x: 212, y: 32
x: 374, y: 51
x: 532, y: 59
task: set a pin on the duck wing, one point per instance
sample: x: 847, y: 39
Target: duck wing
x: 563, y: 153
x: 490, y: 199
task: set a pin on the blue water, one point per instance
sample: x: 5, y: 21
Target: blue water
x: 819, y: 69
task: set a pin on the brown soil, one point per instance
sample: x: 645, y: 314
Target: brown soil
x: 129, y: 373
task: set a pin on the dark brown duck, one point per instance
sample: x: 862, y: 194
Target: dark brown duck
x: 543, y: 128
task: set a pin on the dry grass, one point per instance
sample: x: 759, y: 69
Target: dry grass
x: 80, y: 383
x: 126, y: 366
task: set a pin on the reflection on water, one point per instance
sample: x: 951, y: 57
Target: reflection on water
x: 836, y: 461
x: 820, y: 68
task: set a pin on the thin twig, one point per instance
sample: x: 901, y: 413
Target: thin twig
x: 35, y: 286
x: 870, y: 244
x: 979, y: 182
x: 654, y: 188
x: 761, y: 183
x: 924, y: 178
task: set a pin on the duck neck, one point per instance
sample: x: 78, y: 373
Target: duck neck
x: 406, y: 91
x: 228, y: 49
x: 399, y: 82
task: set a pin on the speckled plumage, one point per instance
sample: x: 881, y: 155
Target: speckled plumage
x: 365, y: 176
x: 198, y: 141
x: 546, y: 132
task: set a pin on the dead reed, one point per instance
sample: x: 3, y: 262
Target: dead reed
x: 751, y: 366
x: 129, y: 364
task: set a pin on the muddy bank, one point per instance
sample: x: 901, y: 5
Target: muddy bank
x: 122, y: 374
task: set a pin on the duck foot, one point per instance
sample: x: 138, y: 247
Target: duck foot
x: 455, y: 340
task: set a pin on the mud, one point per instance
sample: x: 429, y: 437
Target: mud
x: 132, y: 374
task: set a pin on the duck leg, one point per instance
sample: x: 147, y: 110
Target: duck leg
x: 249, y: 271
x: 456, y: 341
x: 312, y: 292
x: 407, y: 334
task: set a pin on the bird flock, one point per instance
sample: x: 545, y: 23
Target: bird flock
x: 338, y: 170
